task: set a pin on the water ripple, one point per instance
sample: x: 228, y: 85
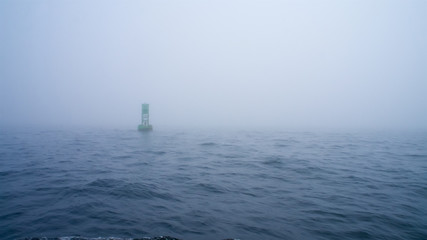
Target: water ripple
x: 215, y: 185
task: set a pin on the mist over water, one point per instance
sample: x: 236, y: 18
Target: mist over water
x: 284, y: 64
x: 272, y: 119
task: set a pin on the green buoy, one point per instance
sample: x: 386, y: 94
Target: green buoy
x: 145, y: 123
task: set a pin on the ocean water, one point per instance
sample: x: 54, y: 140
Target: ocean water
x: 213, y: 185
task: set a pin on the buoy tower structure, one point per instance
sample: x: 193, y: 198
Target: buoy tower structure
x: 145, y: 119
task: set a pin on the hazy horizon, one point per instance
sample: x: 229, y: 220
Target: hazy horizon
x: 247, y: 64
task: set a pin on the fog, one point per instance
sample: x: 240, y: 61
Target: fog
x: 250, y: 64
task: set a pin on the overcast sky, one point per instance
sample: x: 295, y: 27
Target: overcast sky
x: 329, y: 63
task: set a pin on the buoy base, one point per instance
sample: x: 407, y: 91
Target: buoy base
x: 145, y: 128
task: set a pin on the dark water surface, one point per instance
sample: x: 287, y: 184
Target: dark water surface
x: 213, y: 184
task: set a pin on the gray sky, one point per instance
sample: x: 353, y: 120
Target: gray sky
x: 329, y: 63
